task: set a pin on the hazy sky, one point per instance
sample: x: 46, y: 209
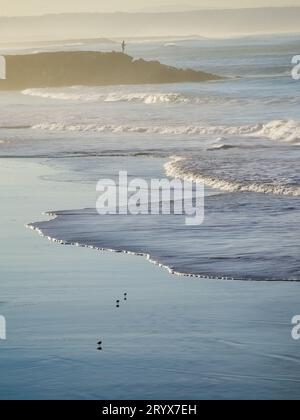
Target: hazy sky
x: 33, y: 7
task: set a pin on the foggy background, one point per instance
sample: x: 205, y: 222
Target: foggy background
x: 62, y: 19
x: 38, y: 7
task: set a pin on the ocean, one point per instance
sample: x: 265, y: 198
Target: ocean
x: 239, y: 136
x: 220, y: 328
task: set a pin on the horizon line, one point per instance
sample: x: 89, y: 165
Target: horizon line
x: 153, y: 12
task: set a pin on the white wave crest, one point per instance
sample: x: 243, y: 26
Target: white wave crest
x: 188, y: 169
x: 91, y: 96
x: 147, y: 98
x: 100, y: 94
x: 285, y: 131
x: 280, y: 130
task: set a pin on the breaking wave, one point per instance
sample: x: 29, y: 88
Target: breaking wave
x: 94, y: 95
x: 191, y: 169
x: 278, y: 130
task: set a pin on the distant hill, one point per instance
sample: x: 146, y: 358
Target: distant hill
x: 58, y: 42
x: 203, y: 22
x: 90, y: 69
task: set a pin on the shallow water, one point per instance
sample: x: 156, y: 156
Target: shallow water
x: 175, y: 338
x: 243, y: 236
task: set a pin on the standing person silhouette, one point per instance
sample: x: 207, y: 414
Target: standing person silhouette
x: 123, y: 46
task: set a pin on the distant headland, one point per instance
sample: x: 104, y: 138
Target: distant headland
x: 59, y: 69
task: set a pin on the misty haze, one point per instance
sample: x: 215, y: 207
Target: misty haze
x: 210, y: 23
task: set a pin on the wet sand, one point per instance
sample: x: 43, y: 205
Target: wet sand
x: 173, y: 338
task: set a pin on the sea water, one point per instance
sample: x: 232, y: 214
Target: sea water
x: 179, y: 337
x: 239, y: 136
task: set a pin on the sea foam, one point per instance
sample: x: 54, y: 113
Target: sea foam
x: 279, y: 130
x: 149, y: 97
x: 190, y: 169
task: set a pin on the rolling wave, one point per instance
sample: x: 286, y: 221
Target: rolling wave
x: 191, y: 169
x: 94, y: 95
x: 91, y: 96
x: 278, y: 130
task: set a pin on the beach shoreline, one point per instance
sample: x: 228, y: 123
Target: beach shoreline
x: 177, y: 338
